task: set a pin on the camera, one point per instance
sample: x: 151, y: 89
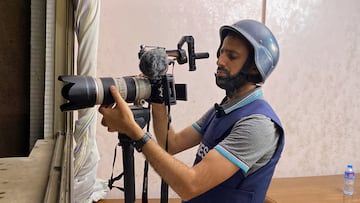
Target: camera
x: 155, y: 86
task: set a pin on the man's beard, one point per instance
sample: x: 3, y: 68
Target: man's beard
x: 230, y: 83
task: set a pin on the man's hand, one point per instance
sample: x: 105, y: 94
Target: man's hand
x: 119, y: 118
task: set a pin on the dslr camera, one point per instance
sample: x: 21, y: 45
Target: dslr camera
x: 154, y: 86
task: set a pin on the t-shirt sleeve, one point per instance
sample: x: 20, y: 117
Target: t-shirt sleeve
x: 199, y: 123
x: 251, y: 139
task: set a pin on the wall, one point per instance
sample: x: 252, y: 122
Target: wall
x: 314, y: 88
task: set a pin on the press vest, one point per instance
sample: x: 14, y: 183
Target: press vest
x: 238, y: 188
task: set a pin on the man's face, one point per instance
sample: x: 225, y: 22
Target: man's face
x: 233, y: 55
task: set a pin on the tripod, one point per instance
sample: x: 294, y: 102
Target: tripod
x: 142, y: 117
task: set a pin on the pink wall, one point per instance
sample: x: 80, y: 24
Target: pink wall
x: 314, y: 88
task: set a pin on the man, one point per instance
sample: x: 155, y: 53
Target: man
x: 240, y: 140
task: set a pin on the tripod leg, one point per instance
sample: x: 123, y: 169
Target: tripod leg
x: 128, y: 163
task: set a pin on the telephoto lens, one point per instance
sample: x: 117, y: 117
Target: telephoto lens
x: 85, y: 91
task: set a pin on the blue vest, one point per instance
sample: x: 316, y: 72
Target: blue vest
x: 250, y: 189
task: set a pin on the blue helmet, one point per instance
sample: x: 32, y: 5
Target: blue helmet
x: 266, y: 48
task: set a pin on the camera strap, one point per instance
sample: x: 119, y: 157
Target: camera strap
x: 112, y: 179
x: 144, y: 196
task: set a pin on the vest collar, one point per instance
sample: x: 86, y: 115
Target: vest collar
x: 240, y: 101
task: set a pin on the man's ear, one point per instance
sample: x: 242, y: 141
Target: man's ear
x: 253, y: 69
x: 254, y: 74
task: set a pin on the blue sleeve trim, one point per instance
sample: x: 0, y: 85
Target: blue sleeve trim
x: 232, y: 158
x: 197, y: 127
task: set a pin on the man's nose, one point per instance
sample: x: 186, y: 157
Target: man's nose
x: 221, y: 61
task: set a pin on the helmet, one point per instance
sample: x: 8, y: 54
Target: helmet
x: 266, y: 48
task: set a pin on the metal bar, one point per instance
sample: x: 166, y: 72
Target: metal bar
x: 52, y: 189
x: 263, y: 12
x: 65, y: 171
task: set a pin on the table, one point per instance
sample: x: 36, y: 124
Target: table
x: 313, y: 189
